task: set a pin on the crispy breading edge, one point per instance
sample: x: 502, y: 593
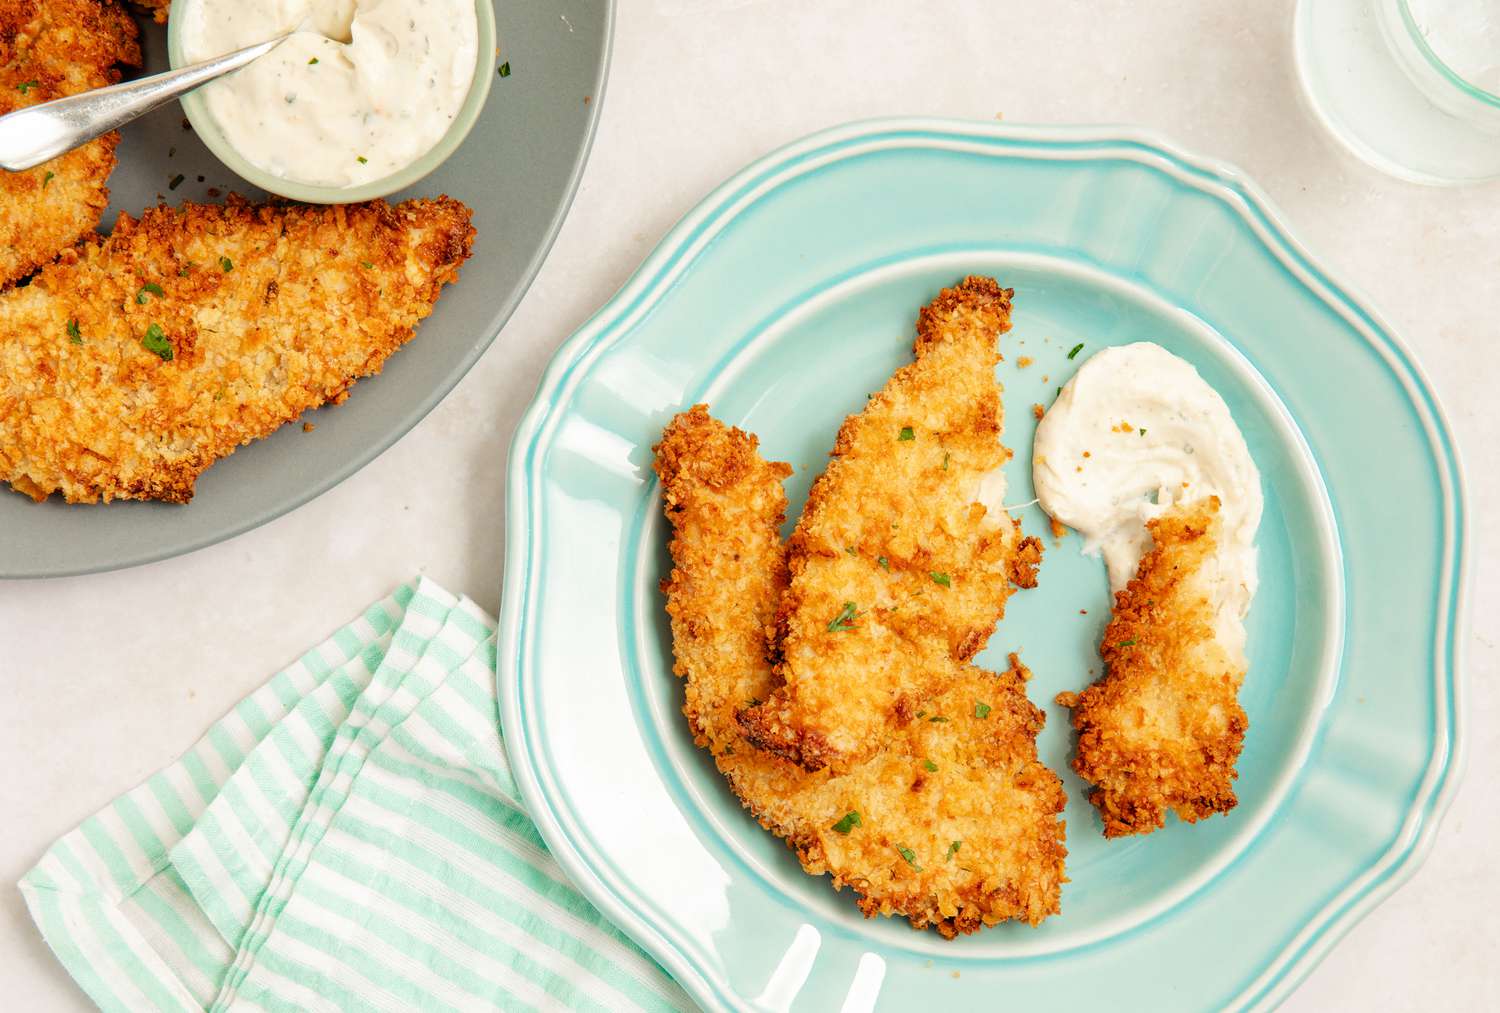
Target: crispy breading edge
x: 1160, y: 640
x: 698, y: 453
x: 69, y: 46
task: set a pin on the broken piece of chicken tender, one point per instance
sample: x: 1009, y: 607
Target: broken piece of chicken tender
x: 953, y: 822
x: 1162, y: 729
x: 904, y: 556
x: 136, y: 361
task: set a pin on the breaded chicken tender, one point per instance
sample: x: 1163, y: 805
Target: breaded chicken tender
x: 135, y: 362
x: 953, y: 823
x: 50, y: 49
x: 903, y: 558
x: 1163, y: 728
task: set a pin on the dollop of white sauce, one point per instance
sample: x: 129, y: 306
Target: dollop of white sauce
x: 1134, y: 433
x: 362, y: 89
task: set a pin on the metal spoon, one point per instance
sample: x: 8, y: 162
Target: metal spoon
x: 31, y: 136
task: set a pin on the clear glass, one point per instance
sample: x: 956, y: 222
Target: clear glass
x: 1411, y: 86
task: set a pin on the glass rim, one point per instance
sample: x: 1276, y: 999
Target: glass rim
x: 1438, y: 63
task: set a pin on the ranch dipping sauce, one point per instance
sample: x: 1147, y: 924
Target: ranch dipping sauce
x: 1134, y: 433
x: 363, y: 89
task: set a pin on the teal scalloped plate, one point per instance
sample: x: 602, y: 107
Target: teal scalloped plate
x: 782, y: 300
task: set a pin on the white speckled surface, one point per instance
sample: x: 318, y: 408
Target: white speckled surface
x: 107, y: 677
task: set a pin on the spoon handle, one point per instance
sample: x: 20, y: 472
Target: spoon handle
x: 31, y: 136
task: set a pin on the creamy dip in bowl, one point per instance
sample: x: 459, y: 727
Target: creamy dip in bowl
x: 365, y: 98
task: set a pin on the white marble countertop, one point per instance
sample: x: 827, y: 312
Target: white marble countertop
x: 107, y: 678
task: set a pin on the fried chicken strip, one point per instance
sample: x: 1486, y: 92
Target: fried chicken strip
x: 135, y: 362
x: 953, y: 824
x: 50, y: 49
x: 1163, y: 728
x: 903, y: 558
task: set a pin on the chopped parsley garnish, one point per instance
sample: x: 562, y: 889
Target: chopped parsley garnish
x: 885, y: 564
x: 849, y: 822
x: 1143, y: 432
x: 150, y: 288
x: 905, y: 434
x: 1076, y: 349
x: 945, y: 460
x: 981, y: 710
x: 185, y: 269
x: 155, y: 341
x: 921, y: 714
x: 909, y: 855
x: 226, y: 264
x: 851, y: 550
x: 940, y: 578
x: 1059, y: 392
x: 928, y: 765
x: 844, y: 621
x: 953, y: 850
x: 938, y: 719
x: 366, y: 265
x: 74, y: 334
x: 1126, y: 643
x: 26, y: 86
x: 505, y: 69
x: 48, y: 178
x: 176, y: 181
x: 313, y: 62
x: 361, y: 159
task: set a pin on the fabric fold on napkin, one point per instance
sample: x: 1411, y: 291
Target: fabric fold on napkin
x: 348, y: 837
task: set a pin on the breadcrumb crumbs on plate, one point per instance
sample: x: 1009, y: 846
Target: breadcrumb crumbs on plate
x: 1024, y: 361
x: 1059, y: 529
x: 308, y: 427
x: 1037, y: 411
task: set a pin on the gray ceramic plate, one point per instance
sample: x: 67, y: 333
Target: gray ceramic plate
x: 518, y: 170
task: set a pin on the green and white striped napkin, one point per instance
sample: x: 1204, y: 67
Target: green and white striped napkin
x: 348, y: 838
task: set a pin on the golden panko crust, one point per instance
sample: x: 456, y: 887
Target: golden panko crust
x: 50, y: 49
x: 135, y: 362
x: 897, y: 569
x: 957, y: 822
x: 1162, y: 729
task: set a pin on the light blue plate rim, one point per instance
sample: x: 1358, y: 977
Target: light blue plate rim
x: 1231, y: 187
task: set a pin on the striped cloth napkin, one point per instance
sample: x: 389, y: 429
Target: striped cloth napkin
x: 348, y: 838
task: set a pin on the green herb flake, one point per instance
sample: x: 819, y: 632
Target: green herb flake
x: 909, y: 855
x: 929, y: 766
x: 150, y: 288
x: 313, y: 62
x: 74, y: 334
x: 361, y: 159
x: 155, y: 341
x: 844, y: 621
x: 945, y: 460
x: 26, y: 86
x: 1076, y: 349
x: 367, y: 265
x: 982, y: 710
x: 1126, y: 643
x: 186, y: 269
x: 940, y: 578
x: 1143, y: 432
x: 849, y: 822
x: 226, y: 264
x: 47, y: 179
x: 905, y: 434
x: 505, y: 69
x: 885, y: 564
x: 1059, y: 392
x: 176, y: 181
x: 953, y: 850
x: 851, y: 550
x: 938, y: 719
x: 921, y: 714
